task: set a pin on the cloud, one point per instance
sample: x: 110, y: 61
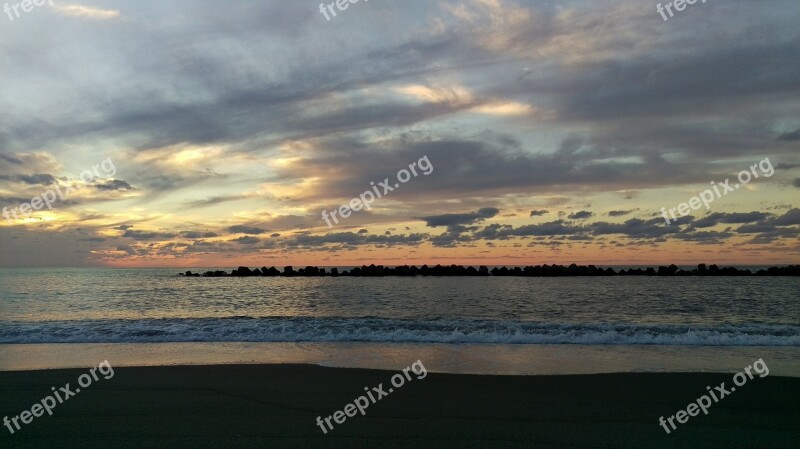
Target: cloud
x: 580, y: 215
x: 737, y: 217
x: 87, y: 12
x: 538, y: 213
x: 213, y: 201
x: 493, y: 164
x: 242, y: 229
x: 39, y: 179
x: 246, y: 240
x: 11, y: 159
x: 116, y: 184
x: 198, y: 234
x: 147, y: 235
x: 500, y: 108
x: 13, y: 200
x: 450, y: 94
x: 790, y: 218
x: 351, y: 239
x: 790, y: 136
x: 620, y: 213
x: 460, y: 219
x: 558, y: 227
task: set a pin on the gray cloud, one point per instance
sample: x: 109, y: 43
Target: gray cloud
x: 351, y: 239
x: 791, y: 217
x: 198, y: 234
x: 620, y: 213
x: 790, y: 136
x: 720, y: 217
x: 39, y: 179
x: 241, y: 229
x: 247, y: 240
x: 115, y: 184
x: 460, y: 219
x: 580, y: 215
x: 144, y: 235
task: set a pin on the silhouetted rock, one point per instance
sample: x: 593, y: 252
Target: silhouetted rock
x: 244, y: 272
x: 271, y: 272
x: 529, y: 271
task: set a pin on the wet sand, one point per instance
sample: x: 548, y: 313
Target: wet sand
x: 276, y: 406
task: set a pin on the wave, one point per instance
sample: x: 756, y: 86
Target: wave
x: 301, y: 329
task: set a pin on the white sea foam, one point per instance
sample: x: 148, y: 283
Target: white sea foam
x: 298, y: 329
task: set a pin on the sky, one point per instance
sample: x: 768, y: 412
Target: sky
x: 217, y: 134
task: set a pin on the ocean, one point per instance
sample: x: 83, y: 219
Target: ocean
x: 62, y: 317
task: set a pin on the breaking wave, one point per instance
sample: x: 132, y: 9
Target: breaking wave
x: 300, y: 329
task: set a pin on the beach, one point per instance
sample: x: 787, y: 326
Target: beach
x: 236, y: 406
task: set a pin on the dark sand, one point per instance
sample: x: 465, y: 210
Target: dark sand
x: 275, y: 406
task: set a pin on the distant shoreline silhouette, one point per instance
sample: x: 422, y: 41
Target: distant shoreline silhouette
x: 529, y: 271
